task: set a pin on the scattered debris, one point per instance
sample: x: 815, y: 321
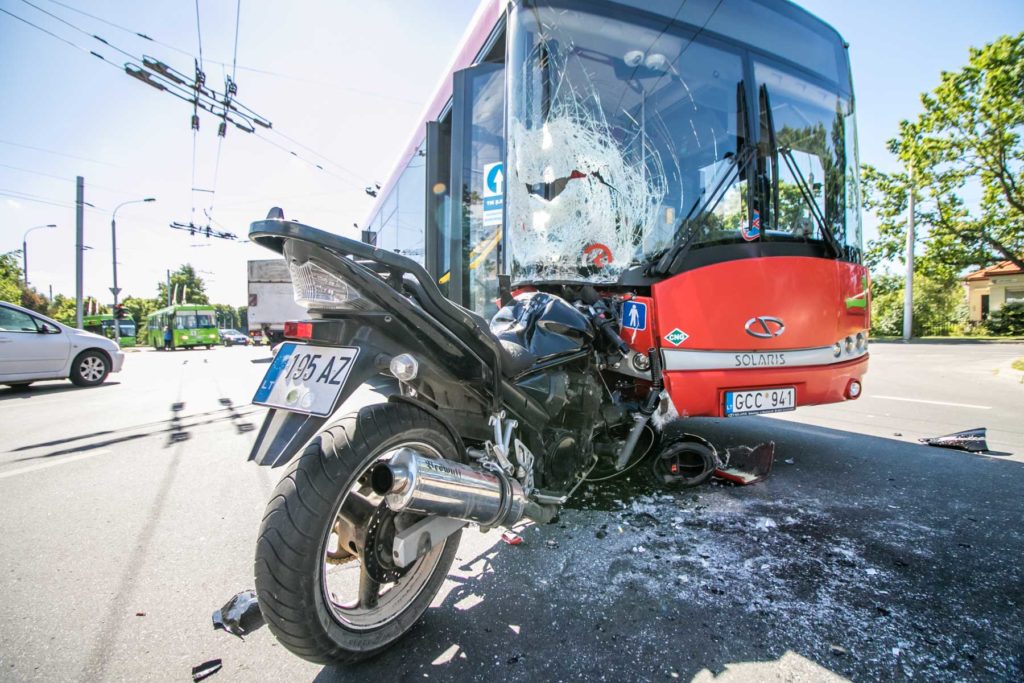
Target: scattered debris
x: 971, y: 440
x: 897, y: 433
x: 745, y: 465
x: 790, y: 461
x: 511, y: 537
x: 551, y: 543
x: 240, y: 616
x: 140, y: 614
x: 838, y: 650
x: 206, y: 669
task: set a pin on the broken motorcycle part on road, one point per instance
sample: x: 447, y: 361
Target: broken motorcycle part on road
x: 240, y: 616
x: 206, y: 669
x: 745, y: 465
x: 970, y: 440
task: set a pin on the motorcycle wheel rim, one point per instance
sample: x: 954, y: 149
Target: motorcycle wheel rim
x: 340, y: 582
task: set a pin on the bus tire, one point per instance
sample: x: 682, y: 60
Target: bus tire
x: 90, y: 368
x: 292, y: 567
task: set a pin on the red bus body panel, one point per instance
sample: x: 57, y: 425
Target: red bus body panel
x: 821, y: 301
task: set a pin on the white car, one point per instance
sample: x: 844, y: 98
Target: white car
x: 34, y: 347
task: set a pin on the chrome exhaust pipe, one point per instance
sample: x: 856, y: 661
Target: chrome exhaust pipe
x: 415, y: 483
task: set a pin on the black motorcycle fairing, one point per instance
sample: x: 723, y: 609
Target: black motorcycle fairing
x: 543, y: 324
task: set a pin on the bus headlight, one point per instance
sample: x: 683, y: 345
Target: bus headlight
x: 849, y: 344
x: 862, y: 341
x: 837, y: 350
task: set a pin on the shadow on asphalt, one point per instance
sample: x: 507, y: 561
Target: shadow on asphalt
x: 56, y: 387
x: 177, y: 427
x: 867, y: 557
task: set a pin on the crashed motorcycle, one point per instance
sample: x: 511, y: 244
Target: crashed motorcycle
x: 486, y: 423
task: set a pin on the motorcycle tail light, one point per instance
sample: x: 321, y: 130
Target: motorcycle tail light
x: 298, y: 330
x: 315, y: 287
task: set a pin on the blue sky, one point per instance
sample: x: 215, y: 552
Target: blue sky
x: 349, y: 80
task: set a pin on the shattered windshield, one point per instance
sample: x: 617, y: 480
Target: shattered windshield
x: 615, y: 131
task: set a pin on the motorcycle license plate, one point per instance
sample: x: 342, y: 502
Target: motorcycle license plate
x: 760, y: 401
x: 306, y: 379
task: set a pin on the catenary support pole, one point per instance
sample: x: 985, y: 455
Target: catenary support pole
x: 908, y: 288
x: 79, y: 247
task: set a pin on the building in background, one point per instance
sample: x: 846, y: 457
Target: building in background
x: 989, y: 288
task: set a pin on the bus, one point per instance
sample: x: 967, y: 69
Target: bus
x: 695, y: 160
x: 191, y: 325
x: 104, y: 325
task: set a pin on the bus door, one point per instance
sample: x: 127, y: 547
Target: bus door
x: 468, y: 251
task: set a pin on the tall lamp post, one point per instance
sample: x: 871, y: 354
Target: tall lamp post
x: 115, y: 290
x: 24, y: 249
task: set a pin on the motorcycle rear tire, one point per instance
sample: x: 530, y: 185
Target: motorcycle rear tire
x: 298, y: 522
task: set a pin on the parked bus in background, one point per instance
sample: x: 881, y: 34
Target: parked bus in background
x: 104, y: 325
x: 190, y: 325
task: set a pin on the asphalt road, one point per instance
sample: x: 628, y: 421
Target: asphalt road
x: 130, y: 514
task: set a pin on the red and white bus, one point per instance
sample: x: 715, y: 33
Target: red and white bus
x: 696, y: 160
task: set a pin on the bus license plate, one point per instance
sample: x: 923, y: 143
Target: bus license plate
x: 760, y: 401
x: 306, y: 379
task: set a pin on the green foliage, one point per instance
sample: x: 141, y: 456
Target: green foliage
x: 967, y: 137
x: 10, y: 278
x: 62, y: 308
x: 1008, y: 320
x: 243, y: 319
x: 33, y: 300
x: 938, y: 306
x: 186, y: 285
x: 139, y: 308
x: 227, y: 316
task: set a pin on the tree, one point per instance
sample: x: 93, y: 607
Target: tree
x: 10, y: 278
x: 937, y: 306
x: 243, y: 319
x: 138, y: 308
x: 227, y: 316
x: 968, y: 137
x: 34, y: 300
x: 62, y: 308
x: 186, y: 285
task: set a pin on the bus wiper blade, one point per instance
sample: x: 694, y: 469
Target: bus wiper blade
x: 805, y: 191
x: 685, y: 233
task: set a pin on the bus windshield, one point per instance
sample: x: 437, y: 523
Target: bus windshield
x: 192, y: 320
x: 631, y: 132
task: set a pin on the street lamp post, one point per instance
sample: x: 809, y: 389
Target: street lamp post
x: 24, y: 249
x: 115, y: 290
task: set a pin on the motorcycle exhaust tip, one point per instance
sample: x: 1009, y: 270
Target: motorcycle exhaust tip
x: 411, y: 481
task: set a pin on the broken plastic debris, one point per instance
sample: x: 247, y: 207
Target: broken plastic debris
x: 971, y: 440
x: 240, y: 616
x: 551, y: 543
x: 745, y: 465
x: 206, y: 669
x: 512, y: 538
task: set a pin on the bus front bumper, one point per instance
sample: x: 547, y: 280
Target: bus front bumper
x: 701, y: 393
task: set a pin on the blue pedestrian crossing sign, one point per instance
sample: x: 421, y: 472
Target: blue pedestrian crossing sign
x: 634, y: 315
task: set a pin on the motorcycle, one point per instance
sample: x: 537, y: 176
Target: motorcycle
x: 487, y: 423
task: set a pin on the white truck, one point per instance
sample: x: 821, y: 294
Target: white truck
x: 271, y: 302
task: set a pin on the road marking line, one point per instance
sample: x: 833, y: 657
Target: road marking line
x: 934, y: 403
x: 44, y: 465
